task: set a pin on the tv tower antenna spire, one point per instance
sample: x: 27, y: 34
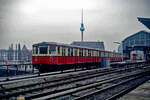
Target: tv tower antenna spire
x: 82, y: 26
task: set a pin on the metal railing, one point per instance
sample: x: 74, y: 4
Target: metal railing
x: 27, y: 67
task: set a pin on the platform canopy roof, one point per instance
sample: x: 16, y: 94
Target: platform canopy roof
x: 145, y: 21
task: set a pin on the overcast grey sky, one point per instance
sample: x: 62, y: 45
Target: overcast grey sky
x: 32, y: 21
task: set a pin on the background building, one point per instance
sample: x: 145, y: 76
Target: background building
x: 17, y: 55
x: 120, y: 49
x: 91, y: 44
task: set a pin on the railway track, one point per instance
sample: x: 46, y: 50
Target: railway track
x: 45, y: 78
x: 6, y: 79
x: 21, y: 77
x: 102, y: 90
x: 54, y: 80
x: 116, y: 90
x: 51, y: 75
x: 56, y: 85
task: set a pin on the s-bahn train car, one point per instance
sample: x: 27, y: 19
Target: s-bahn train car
x: 49, y: 56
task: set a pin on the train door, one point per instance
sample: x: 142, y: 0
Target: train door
x: 63, y: 55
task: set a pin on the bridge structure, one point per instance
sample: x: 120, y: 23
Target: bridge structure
x: 144, y: 21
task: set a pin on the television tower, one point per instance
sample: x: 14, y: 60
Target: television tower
x: 82, y: 26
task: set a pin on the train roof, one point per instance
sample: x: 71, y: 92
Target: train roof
x: 67, y: 45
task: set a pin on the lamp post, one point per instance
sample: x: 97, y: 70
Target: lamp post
x: 118, y: 43
x: 115, y: 42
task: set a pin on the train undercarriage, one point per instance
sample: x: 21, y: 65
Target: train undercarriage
x: 49, y: 68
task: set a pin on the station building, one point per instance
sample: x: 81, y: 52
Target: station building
x: 137, y: 46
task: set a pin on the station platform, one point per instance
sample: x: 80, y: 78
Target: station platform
x: 140, y: 93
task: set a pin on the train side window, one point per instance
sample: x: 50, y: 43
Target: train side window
x: 63, y: 52
x: 114, y: 55
x: 84, y: 53
x: 69, y: 52
x: 99, y: 54
x: 35, y: 50
x: 95, y: 53
x: 92, y: 52
x: 80, y: 52
x: 111, y: 54
x: 75, y: 52
x: 52, y: 50
x: 105, y: 54
x: 58, y: 48
x: 108, y: 54
x: 89, y: 52
x: 102, y: 54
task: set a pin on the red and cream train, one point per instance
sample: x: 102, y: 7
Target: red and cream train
x: 49, y: 56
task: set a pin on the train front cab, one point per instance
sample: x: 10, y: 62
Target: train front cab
x: 42, y: 57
